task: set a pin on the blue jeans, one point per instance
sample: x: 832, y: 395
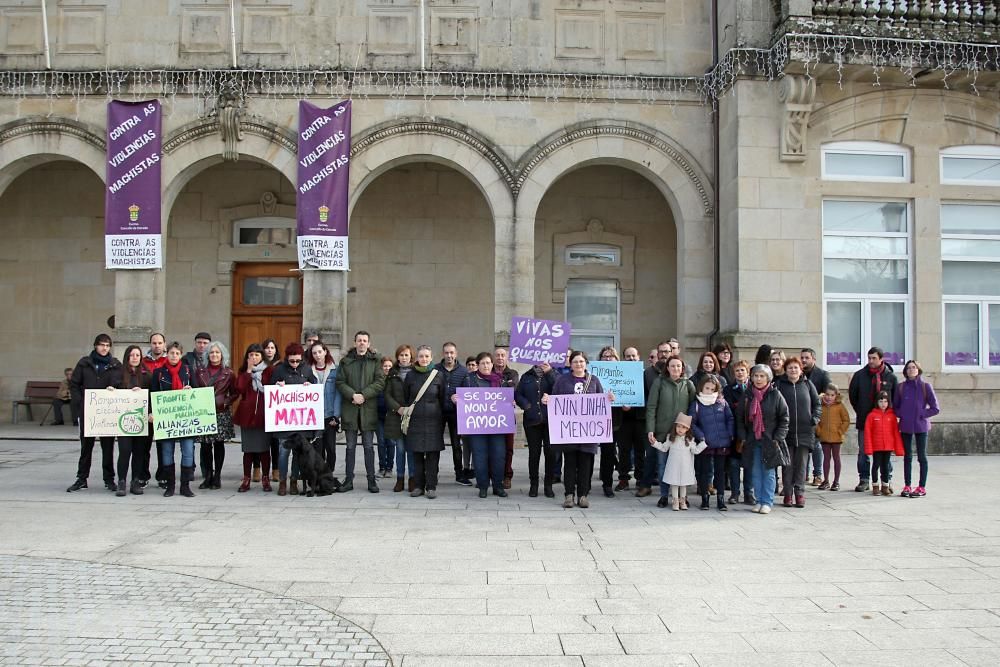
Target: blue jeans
x: 489, y: 452
x: 283, y: 454
x: 661, y: 463
x: 404, y: 457
x: 647, y: 476
x: 908, y: 456
x: 386, y: 448
x: 817, y: 461
x: 187, y: 451
x: 764, y: 479
x: 865, y: 462
x: 735, y: 467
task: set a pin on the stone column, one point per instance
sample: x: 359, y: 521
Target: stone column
x: 140, y: 306
x: 514, y: 279
x: 324, y: 307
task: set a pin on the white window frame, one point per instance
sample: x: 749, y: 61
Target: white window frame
x: 865, y: 299
x: 982, y: 152
x: 596, y: 248
x: 983, y: 301
x: 616, y: 333
x: 266, y: 222
x: 865, y: 148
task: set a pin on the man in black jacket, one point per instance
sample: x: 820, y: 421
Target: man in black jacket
x: 645, y: 477
x: 865, y: 385
x: 454, y: 375
x: 98, y: 370
x: 821, y: 380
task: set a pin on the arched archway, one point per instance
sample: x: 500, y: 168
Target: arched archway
x: 30, y: 142
x: 668, y: 167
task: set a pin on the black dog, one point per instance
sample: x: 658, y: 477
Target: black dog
x: 317, y: 479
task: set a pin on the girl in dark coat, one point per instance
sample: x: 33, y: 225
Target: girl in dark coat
x: 425, y: 432
x: 249, y: 386
x: 712, y: 421
x: 172, y: 376
x: 803, y: 413
x: 135, y: 449
x: 218, y: 375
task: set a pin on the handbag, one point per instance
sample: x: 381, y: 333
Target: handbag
x: 404, y: 422
x: 776, y: 454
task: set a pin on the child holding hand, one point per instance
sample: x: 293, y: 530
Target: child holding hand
x: 882, y: 439
x: 679, y: 470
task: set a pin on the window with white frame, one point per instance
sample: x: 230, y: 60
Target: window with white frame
x: 593, y: 309
x: 970, y: 285
x: 865, y: 161
x: 263, y: 231
x: 866, y: 280
x: 971, y: 165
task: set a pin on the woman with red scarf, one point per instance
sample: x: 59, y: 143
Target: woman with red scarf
x: 761, y: 417
x: 172, y: 376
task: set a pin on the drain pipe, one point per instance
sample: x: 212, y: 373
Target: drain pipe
x: 232, y: 29
x: 717, y: 160
x: 423, y: 38
x: 45, y: 36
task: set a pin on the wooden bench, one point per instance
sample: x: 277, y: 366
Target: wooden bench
x: 37, y: 392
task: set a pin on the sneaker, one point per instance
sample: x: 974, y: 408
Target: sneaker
x: 583, y: 502
x: 817, y: 480
x: 432, y: 494
x: 918, y: 492
x: 905, y: 492
x: 622, y: 485
x: 77, y: 485
x: 464, y: 481
x: 733, y: 500
x: 756, y: 509
x: 765, y: 509
x: 862, y: 486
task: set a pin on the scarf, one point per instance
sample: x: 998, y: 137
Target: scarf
x: 257, y: 375
x: 756, y: 414
x: 876, y: 376
x: 709, y: 398
x: 101, y: 361
x: 175, y: 375
x: 827, y: 400
x: 423, y: 369
x: 214, y: 371
x: 492, y: 378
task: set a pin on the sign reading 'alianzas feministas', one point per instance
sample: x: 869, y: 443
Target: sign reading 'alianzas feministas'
x: 132, y: 199
x: 323, y: 182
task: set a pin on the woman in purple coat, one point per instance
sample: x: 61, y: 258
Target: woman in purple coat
x: 914, y: 403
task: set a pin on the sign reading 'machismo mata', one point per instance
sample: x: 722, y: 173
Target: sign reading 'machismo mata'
x: 322, y: 183
x: 132, y: 237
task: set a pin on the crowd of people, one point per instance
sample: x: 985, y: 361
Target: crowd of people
x: 725, y: 425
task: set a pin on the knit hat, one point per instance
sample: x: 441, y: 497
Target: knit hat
x: 761, y: 368
x: 203, y: 335
x: 683, y: 419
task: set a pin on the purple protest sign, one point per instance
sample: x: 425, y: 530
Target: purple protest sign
x: 579, y: 419
x: 323, y: 182
x: 132, y: 199
x: 485, y: 410
x: 534, y: 341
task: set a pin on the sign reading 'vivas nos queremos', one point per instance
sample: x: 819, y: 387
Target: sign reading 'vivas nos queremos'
x: 132, y: 197
x: 322, y: 185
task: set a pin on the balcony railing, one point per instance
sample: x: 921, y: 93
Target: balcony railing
x: 952, y: 20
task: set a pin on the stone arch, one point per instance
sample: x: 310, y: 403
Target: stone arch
x: 669, y: 167
x: 399, y: 142
x: 29, y: 142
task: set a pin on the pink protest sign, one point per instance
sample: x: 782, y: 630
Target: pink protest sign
x: 294, y: 407
x: 579, y: 419
x: 485, y: 410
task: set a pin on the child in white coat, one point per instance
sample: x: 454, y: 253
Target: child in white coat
x: 679, y: 471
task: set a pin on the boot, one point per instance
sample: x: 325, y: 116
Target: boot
x: 568, y: 501
x: 608, y: 491
x: 549, y: 493
x: 876, y: 489
x: 373, y: 486
x: 399, y: 485
x: 411, y: 484
x: 170, y: 480
x: 533, y: 488
x: 256, y: 475
x: 643, y: 491
x: 265, y: 485
x: 704, y: 501
x: 720, y: 502
x: 207, y: 482
x: 347, y: 486
x: 244, y: 485
x: 217, y: 480
x: 293, y: 487
x: 282, y: 488
x: 187, y: 476
x: 120, y: 490
x: 136, y: 488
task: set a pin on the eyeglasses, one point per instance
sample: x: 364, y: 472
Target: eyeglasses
x: 295, y: 361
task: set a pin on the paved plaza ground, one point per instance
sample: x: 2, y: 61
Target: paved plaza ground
x: 364, y: 579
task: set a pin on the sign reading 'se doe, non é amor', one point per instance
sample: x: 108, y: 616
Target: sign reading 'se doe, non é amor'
x: 485, y: 410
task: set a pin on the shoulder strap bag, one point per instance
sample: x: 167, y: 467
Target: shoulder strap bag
x: 404, y: 423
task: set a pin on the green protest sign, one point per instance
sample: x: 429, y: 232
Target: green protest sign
x: 184, y: 413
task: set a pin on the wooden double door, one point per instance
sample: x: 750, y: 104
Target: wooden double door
x: 267, y: 303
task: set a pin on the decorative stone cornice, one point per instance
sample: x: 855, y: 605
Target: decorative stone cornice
x: 28, y: 126
x: 797, y: 93
x: 640, y: 134
x: 440, y: 128
x: 210, y: 127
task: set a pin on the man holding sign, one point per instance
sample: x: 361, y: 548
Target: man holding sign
x: 98, y: 370
x: 579, y: 420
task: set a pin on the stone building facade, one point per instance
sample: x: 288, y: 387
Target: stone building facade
x: 716, y: 170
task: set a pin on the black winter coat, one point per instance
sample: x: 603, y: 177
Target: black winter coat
x: 862, y: 393
x: 528, y: 396
x: 161, y: 378
x: 426, y: 430
x: 86, y: 376
x: 453, y: 379
x: 775, y: 413
x: 285, y: 372
x: 395, y: 398
x: 804, y: 411
x: 819, y: 378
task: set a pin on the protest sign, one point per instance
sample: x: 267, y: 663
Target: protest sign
x: 184, y: 413
x: 485, y: 410
x: 623, y: 379
x: 323, y: 182
x: 579, y: 419
x: 109, y: 413
x: 534, y: 341
x: 293, y: 407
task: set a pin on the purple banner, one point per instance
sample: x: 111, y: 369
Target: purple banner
x: 132, y: 199
x: 534, y: 341
x: 483, y: 411
x: 579, y: 419
x: 323, y: 183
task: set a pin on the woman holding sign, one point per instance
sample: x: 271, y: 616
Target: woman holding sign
x: 293, y: 370
x: 424, y: 392
x: 578, y: 458
x: 134, y: 449
x: 249, y: 417
x: 488, y: 450
x: 173, y: 376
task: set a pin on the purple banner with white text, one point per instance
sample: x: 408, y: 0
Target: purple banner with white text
x: 132, y: 237
x: 579, y: 419
x: 323, y: 182
x: 534, y: 341
x: 485, y: 410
